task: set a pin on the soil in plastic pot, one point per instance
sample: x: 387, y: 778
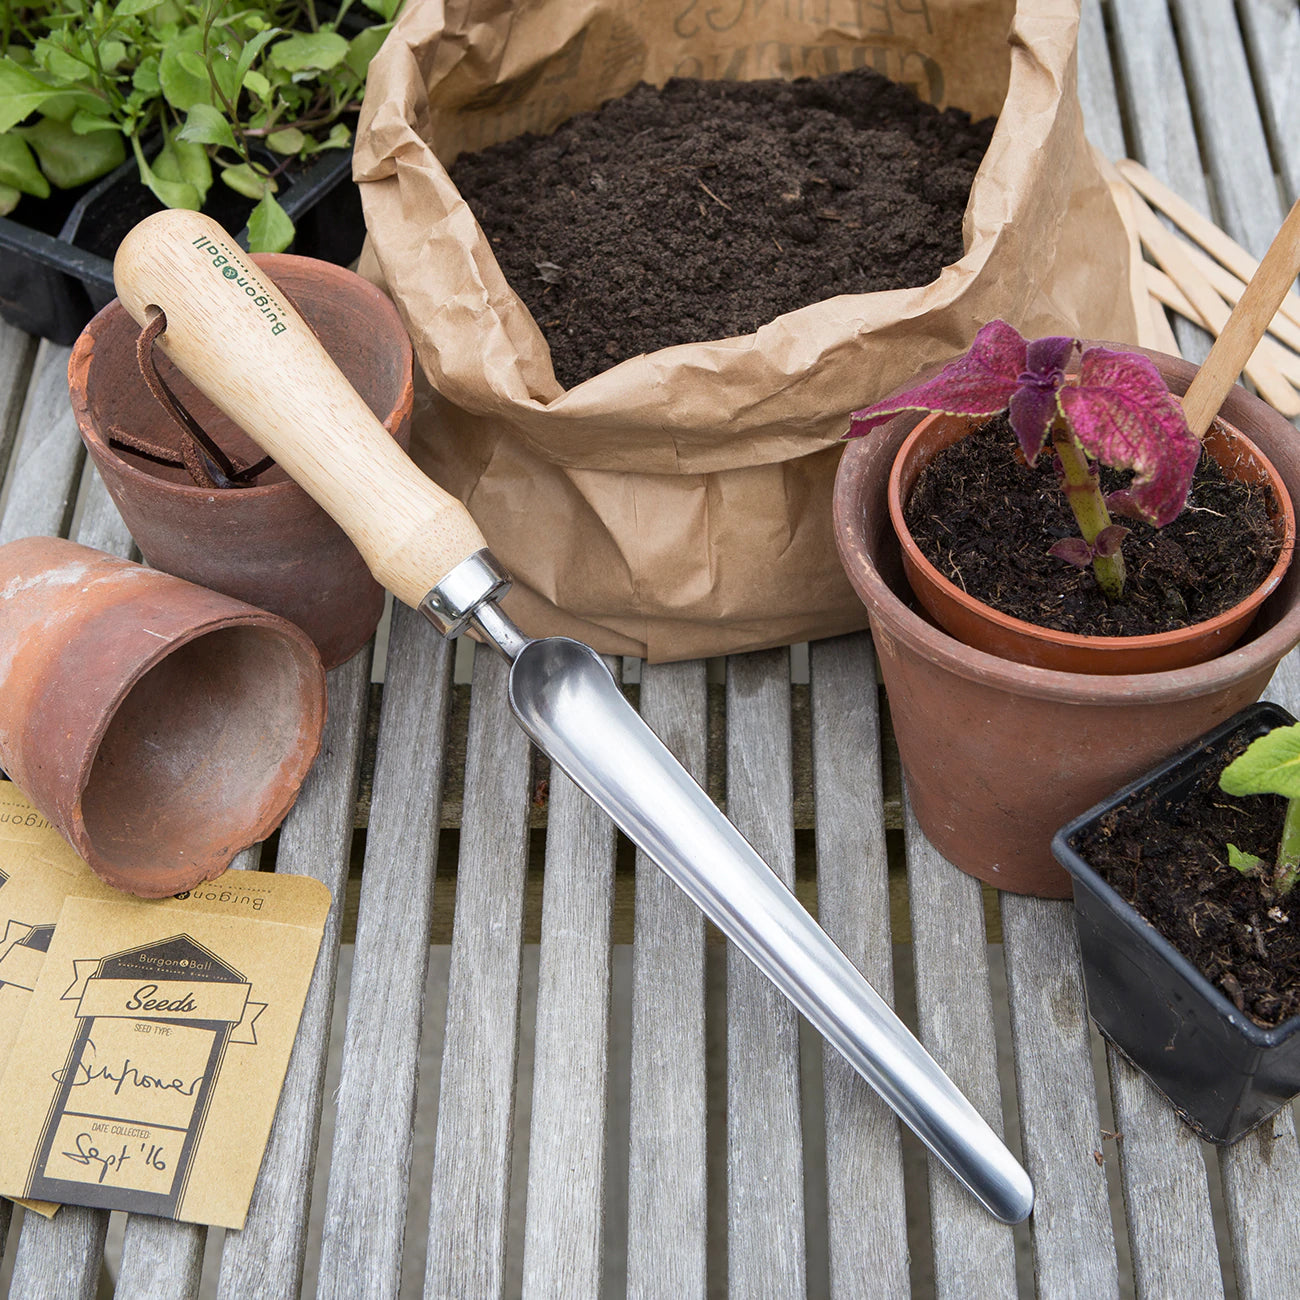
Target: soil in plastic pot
x: 1169, y: 861
x: 705, y: 209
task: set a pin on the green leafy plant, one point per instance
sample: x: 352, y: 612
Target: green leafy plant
x: 1270, y: 765
x: 243, y: 89
x: 1114, y: 410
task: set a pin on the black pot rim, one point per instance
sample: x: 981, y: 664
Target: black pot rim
x: 1142, y: 930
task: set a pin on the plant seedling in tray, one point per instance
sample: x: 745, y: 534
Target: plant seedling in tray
x: 1270, y: 765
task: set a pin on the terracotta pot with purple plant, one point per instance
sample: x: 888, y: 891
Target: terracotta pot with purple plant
x: 196, y: 493
x: 1001, y: 571
x: 1004, y: 734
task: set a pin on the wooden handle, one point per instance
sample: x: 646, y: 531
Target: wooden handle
x: 240, y: 342
x: 1250, y: 318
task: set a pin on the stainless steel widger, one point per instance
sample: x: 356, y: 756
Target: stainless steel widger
x: 239, y: 341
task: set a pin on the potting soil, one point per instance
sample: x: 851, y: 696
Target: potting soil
x: 705, y: 209
x: 986, y: 521
x: 1172, y: 867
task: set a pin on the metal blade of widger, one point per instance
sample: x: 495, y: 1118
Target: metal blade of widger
x: 567, y: 702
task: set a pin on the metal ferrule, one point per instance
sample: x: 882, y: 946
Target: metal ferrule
x: 456, y: 599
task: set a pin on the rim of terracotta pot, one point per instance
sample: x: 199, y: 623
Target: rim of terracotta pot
x: 968, y: 618
x: 83, y: 350
x: 1120, y: 690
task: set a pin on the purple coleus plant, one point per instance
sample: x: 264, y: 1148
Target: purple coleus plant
x: 1115, y: 410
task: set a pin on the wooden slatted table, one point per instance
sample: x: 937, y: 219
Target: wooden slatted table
x: 578, y: 1090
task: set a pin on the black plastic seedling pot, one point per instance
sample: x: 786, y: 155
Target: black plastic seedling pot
x: 1222, y: 1072
x: 56, y: 272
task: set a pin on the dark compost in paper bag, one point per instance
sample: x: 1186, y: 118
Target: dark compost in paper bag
x: 677, y: 504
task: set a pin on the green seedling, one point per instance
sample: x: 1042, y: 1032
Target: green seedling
x: 1270, y: 765
x: 193, y: 89
x: 1113, y: 410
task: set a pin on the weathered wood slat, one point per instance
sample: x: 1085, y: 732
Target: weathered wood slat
x: 100, y: 525
x: 42, y: 478
x: 1166, y: 1194
x: 60, y: 1258
x: 471, y: 1164
x: 766, y: 1250
x: 266, y: 1257
x: 563, y: 1233
x: 1074, y: 1244
x: 1162, y: 131
x: 161, y: 1259
x: 1231, y: 129
x: 1284, y: 685
x: 1272, y: 33
x: 867, y: 1227
x: 365, y: 1212
x: 1260, y: 1175
x: 1103, y: 122
x: 666, y: 1232
x: 974, y: 1254
x: 17, y: 355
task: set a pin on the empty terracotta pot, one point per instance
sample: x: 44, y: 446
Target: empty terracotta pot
x: 270, y: 544
x: 160, y: 726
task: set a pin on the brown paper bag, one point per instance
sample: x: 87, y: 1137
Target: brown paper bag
x: 678, y: 504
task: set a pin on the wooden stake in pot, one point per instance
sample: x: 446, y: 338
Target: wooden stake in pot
x: 1250, y: 318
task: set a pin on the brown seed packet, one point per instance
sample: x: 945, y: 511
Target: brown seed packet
x: 146, y: 1071
x: 38, y: 872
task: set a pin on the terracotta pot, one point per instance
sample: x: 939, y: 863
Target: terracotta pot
x: 986, y: 628
x: 160, y: 726
x: 270, y: 545
x: 998, y: 754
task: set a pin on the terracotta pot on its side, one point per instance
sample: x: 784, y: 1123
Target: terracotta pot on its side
x: 160, y: 726
x: 998, y: 754
x: 270, y: 545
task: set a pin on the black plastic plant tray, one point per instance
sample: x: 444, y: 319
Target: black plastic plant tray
x: 1223, y: 1073
x: 51, y: 284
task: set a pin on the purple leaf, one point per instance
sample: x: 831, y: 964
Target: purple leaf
x: 1033, y: 405
x: 1033, y: 409
x: 1046, y: 358
x: 1122, y: 503
x: 980, y: 383
x: 1109, y: 540
x: 1124, y: 416
x: 1073, y: 550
